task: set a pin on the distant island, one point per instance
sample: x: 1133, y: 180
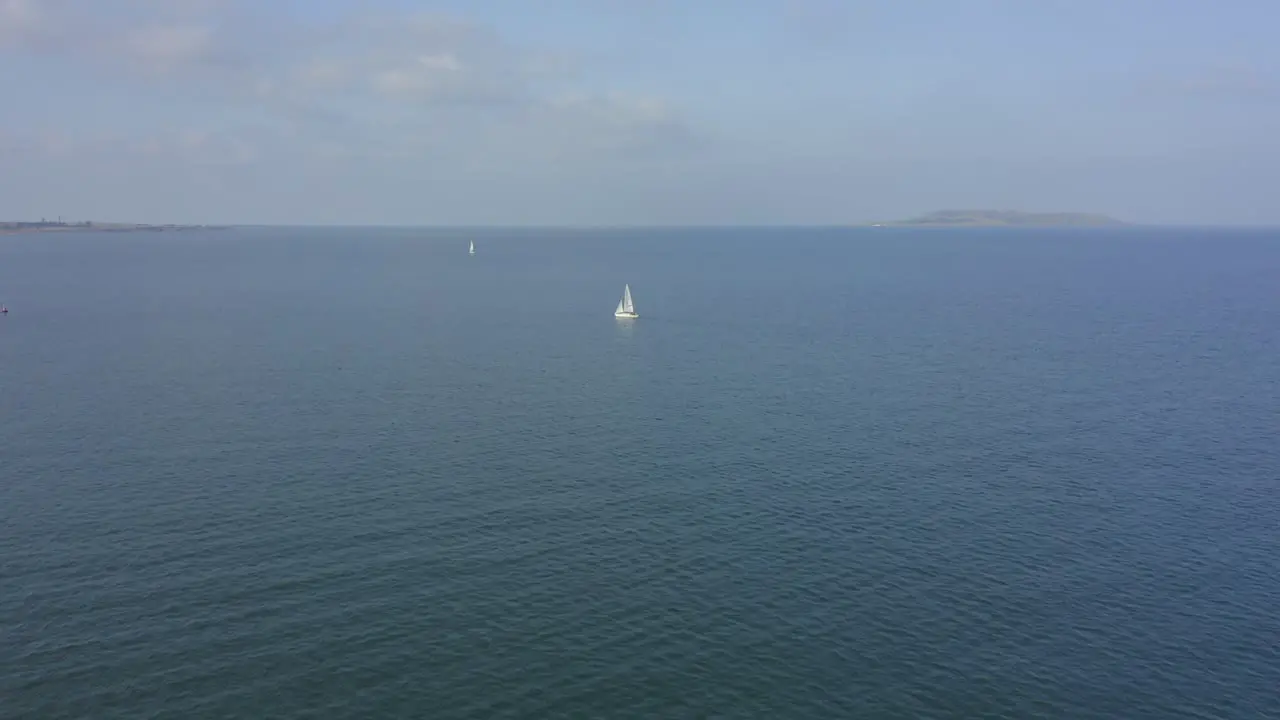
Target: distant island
x: 9, y: 228
x: 1003, y: 218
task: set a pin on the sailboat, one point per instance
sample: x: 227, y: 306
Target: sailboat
x: 472, y: 251
x: 626, y: 308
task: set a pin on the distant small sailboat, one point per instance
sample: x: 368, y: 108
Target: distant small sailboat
x: 4, y: 310
x: 626, y: 308
x: 472, y: 251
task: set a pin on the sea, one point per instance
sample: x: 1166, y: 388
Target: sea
x: 298, y: 473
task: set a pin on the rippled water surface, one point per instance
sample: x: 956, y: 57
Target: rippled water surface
x: 352, y: 473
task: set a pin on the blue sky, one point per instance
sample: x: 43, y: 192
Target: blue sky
x: 637, y: 111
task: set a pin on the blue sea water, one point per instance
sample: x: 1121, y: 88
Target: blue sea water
x: 862, y: 473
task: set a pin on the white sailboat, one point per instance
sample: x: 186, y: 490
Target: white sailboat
x: 472, y: 251
x: 626, y: 308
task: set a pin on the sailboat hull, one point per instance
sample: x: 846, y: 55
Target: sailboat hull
x: 626, y: 315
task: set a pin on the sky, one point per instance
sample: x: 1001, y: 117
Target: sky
x: 637, y: 112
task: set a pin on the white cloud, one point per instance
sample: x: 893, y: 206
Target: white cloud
x: 415, y: 59
x: 413, y: 100
x: 169, y: 45
x: 426, y: 74
x: 21, y: 23
x: 18, y: 16
x: 384, y: 85
x: 147, y: 36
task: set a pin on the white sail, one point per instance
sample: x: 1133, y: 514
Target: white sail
x: 473, y: 247
x: 626, y: 308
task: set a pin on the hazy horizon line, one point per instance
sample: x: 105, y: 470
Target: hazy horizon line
x: 871, y: 225
x: 887, y: 225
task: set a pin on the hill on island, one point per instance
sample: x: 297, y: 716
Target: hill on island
x: 1007, y: 218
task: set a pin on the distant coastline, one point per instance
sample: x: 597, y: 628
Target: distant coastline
x: 936, y: 219
x: 1003, y: 218
x: 46, y: 226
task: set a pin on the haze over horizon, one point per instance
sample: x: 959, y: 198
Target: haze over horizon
x: 630, y: 112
